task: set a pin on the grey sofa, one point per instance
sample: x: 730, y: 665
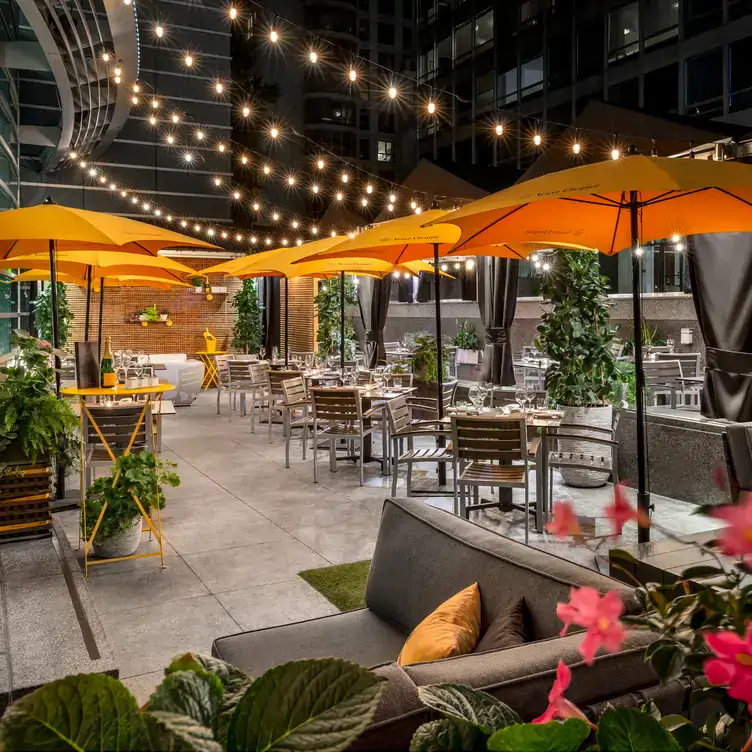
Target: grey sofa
x: 423, y: 556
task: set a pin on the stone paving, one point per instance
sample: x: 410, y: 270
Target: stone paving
x: 241, y: 526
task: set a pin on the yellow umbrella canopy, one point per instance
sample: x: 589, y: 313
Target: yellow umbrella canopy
x: 127, y: 280
x: 590, y: 206
x: 32, y: 229
x: 100, y: 259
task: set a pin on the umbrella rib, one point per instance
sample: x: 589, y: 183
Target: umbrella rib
x: 519, y: 255
x: 607, y: 202
x: 483, y: 229
x: 733, y: 195
x: 616, y: 224
x: 671, y: 195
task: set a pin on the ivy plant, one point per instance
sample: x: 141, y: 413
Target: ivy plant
x: 42, y: 306
x: 247, y: 332
x: 138, y: 477
x: 575, y: 333
x: 327, y: 302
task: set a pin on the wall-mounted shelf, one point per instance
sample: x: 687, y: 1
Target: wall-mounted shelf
x: 217, y: 289
x: 147, y: 323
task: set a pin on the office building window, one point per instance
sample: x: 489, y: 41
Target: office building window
x: 739, y: 8
x: 407, y: 37
x: 701, y: 15
x: 559, y: 60
x: 385, y: 152
x: 484, y: 94
x: 508, y: 86
x: 364, y: 30
x: 623, y: 32
x: 364, y: 148
x: 531, y: 77
x: 740, y: 75
x: 661, y: 18
x: 626, y: 93
x: 385, y: 33
x: 463, y: 42
x: 426, y: 64
x: 590, y: 47
x: 444, y: 55
x: 661, y: 90
x: 704, y: 75
x: 364, y: 119
x: 386, y: 7
x: 484, y: 28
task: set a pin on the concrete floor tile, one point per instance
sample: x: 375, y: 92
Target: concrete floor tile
x: 330, y: 513
x: 142, y: 686
x: 339, y: 545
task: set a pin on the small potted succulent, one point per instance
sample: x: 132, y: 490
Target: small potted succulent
x: 139, y: 475
x: 467, y: 343
x: 150, y: 314
x: 164, y: 315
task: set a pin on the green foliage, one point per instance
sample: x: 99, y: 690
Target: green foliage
x: 202, y: 705
x: 136, y: 477
x: 247, y: 331
x: 466, y: 338
x: 400, y: 367
x: 151, y: 313
x: 327, y: 303
x: 624, y: 385
x: 424, y: 360
x: 30, y: 411
x: 575, y: 334
x: 542, y: 737
x: 629, y: 730
x: 42, y: 306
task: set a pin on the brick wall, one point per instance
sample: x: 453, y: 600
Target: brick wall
x: 301, y: 318
x: 190, y: 313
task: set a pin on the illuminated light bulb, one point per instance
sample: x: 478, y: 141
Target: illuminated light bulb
x: 364, y: 201
x: 113, y: 187
x: 267, y: 169
x: 369, y: 188
x: 197, y: 228
x: 339, y: 196
x: 469, y: 264
x: 418, y: 210
x: 244, y: 159
x: 82, y: 163
x: 117, y: 79
x: 253, y: 238
x: 323, y: 287
x: 392, y: 198
x: 537, y: 264
x: 576, y: 147
x: 188, y: 60
x: 537, y: 139
x: 188, y: 157
x: 169, y: 217
x: 246, y: 111
x: 546, y: 266
x: 256, y: 206
x: 315, y: 188
x: 321, y: 164
x: 219, y: 87
x: 353, y: 74
x: 102, y: 179
x: 221, y: 147
x: 155, y: 103
x: 275, y: 216
x: 274, y: 36
x: 153, y: 120
x: 457, y: 264
x: 615, y: 154
x: 298, y: 242
x: 675, y: 238
x: 284, y: 241
x: 236, y: 195
x: 390, y: 207
x: 123, y: 193
x: 92, y: 172
x: 145, y: 207
x: 175, y: 118
x: 534, y: 257
x: 345, y: 177
x: 200, y: 135
x: 334, y: 233
x: 118, y: 71
x: 638, y: 251
x: 431, y: 108
x: 499, y: 129
x: 406, y: 275
x: 210, y: 231
x: 134, y: 100
x: 170, y: 139
x: 295, y: 224
x: 396, y: 273
x: 274, y: 132
x: 73, y: 155
x: 268, y: 241
x: 183, y: 223
x: 413, y: 205
x: 314, y: 230
x: 392, y: 92
x: 136, y: 88
x: 679, y: 247
x: 350, y: 235
x: 159, y: 31
x: 217, y: 181
x: 233, y: 13
x: 443, y: 267
x: 106, y: 56
x: 291, y: 180
x: 313, y: 56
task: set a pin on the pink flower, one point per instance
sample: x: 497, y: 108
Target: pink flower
x: 600, y: 617
x: 43, y: 344
x: 732, y: 666
x: 564, y: 522
x: 621, y: 511
x: 558, y: 705
x: 736, y: 539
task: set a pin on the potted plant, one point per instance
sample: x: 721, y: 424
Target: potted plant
x: 150, y: 314
x: 36, y: 423
x: 423, y: 359
x: 138, y: 475
x: 42, y: 306
x: 164, y: 315
x: 575, y: 335
x: 247, y: 332
x: 467, y: 343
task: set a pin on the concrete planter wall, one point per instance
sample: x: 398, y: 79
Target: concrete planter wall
x: 123, y: 543
x: 599, y: 417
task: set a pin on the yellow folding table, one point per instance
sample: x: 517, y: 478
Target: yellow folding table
x: 150, y: 392
x: 211, y: 376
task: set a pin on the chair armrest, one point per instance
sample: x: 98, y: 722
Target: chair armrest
x: 439, y: 434
x: 418, y: 401
x: 532, y: 446
x: 597, y: 429
x: 589, y: 439
x: 373, y: 410
x: 299, y: 403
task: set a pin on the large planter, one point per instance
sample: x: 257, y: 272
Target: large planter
x: 599, y: 417
x: 466, y: 357
x: 123, y: 543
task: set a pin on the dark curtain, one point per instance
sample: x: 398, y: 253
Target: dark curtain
x: 271, y: 302
x: 720, y: 271
x: 497, y: 300
x: 373, y: 299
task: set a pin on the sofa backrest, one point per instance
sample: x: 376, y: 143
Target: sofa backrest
x: 425, y: 555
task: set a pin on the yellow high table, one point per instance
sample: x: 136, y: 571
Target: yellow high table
x: 211, y: 377
x: 150, y: 392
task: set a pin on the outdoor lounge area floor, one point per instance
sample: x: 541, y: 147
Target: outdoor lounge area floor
x: 241, y: 526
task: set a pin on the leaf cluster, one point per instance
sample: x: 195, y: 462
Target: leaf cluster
x: 327, y: 302
x: 466, y: 337
x: 424, y: 360
x: 42, y: 305
x: 247, y: 331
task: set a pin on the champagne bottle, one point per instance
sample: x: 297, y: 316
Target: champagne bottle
x: 107, y: 369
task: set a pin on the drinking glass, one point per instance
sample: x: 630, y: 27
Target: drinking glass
x: 473, y: 394
x: 519, y: 395
x: 275, y: 353
x: 262, y: 352
x: 530, y: 396
x: 482, y: 393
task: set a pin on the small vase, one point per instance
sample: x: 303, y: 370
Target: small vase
x: 123, y: 543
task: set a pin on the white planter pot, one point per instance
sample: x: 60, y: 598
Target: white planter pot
x: 467, y: 357
x: 600, y: 417
x: 123, y: 543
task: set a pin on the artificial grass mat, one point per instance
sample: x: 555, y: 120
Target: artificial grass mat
x: 343, y: 585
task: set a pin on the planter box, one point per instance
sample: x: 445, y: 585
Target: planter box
x: 25, y: 495
x: 467, y: 357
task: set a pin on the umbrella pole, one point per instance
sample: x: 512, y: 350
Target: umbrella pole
x: 60, y: 485
x: 287, y: 330
x: 101, y: 309
x: 439, y: 355
x: 88, y: 303
x: 643, y: 496
x: 342, y: 321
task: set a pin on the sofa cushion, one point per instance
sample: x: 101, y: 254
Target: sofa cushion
x: 509, y: 629
x: 433, y: 554
x: 357, y: 636
x: 452, y: 629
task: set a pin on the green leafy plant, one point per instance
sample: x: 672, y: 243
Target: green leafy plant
x: 138, y: 475
x: 399, y: 367
x: 247, y: 331
x: 197, y: 281
x: 575, y: 333
x: 424, y: 359
x: 42, y: 306
x: 202, y: 705
x: 151, y: 313
x: 327, y: 302
x: 30, y: 411
x: 466, y: 338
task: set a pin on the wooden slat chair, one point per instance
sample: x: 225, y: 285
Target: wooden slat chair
x: 690, y: 366
x: 401, y: 430
x: 239, y: 384
x: 662, y: 377
x: 428, y: 407
x: 342, y: 413
x: 365, y: 378
x: 606, y: 462
x: 223, y: 375
x: 478, y: 443
x: 294, y: 392
x: 116, y: 424
x: 275, y: 394
x: 258, y: 388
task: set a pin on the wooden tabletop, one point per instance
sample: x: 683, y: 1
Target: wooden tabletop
x: 115, y: 391
x: 538, y: 419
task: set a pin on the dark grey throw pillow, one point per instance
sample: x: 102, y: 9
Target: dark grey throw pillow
x: 508, y: 630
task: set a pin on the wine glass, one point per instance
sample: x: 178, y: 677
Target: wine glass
x: 473, y: 394
x: 530, y: 396
x: 519, y: 395
x: 275, y: 354
x: 262, y: 352
x: 482, y: 394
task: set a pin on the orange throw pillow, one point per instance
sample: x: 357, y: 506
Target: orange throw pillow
x: 452, y: 629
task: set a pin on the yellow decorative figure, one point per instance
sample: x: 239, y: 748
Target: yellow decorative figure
x: 211, y: 342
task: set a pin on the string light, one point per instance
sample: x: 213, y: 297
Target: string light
x: 123, y: 193
x: 155, y: 104
x: 236, y: 195
x: 313, y: 56
x: 145, y: 207
x: 118, y: 71
x: 256, y: 206
x: 275, y: 217
x: 284, y: 241
x: 364, y: 201
x: 314, y: 188
x: 537, y: 139
x: 295, y: 224
x: 291, y: 180
x: 244, y: 159
x: 392, y: 198
x: 267, y: 169
x: 175, y: 118
x: 113, y: 187
x: 457, y: 264
x: 314, y: 230
x: 392, y: 92
x: 136, y: 88
x: 418, y: 210
x: 183, y: 223
x: 443, y: 267
x: 274, y: 132
x: 106, y: 56
x: 390, y: 207
x: 92, y: 172
x: 431, y: 107
x: 102, y: 179
x: 675, y: 238
x: 117, y: 79
x: 576, y: 147
x: 170, y: 140
x: 351, y: 235
x: 353, y: 74
x: 224, y: 236
x: 169, y: 217
x: 274, y: 36
x: 238, y: 237
x: 339, y: 196
x: 413, y: 205
x: 321, y: 164
x: 253, y: 239
x: 188, y: 157
x: 546, y: 266
x: 153, y: 120
x: 246, y: 111
x: 298, y: 242
x: 221, y: 147
x: 334, y: 234
x: 615, y: 154
x: 268, y: 241
x: 188, y: 60
x: 233, y: 13
x: 210, y: 231
x: 199, y: 135
x: 638, y: 251
x: 217, y: 181
x: 134, y: 100
x: 369, y: 188
x: 469, y: 264
x: 499, y: 129
x: 345, y: 177
x: 219, y: 87
x: 73, y: 155
x: 159, y: 31
x: 197, y: 227
x: 679, y: 247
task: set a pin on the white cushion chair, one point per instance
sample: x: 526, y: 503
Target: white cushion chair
x: 174, y: 363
